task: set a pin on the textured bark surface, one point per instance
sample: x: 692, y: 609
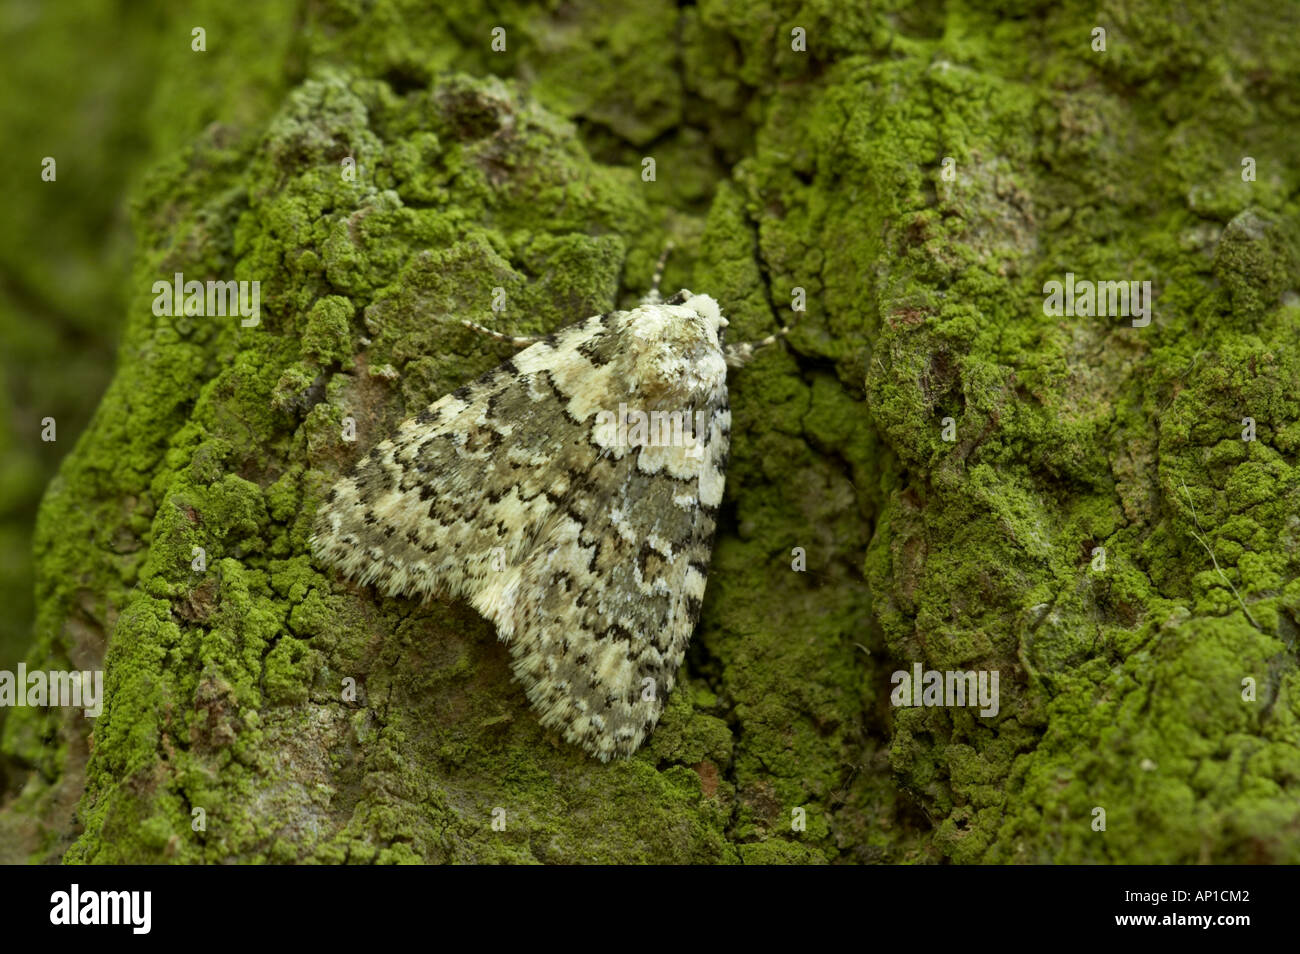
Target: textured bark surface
x: 1121, y: 688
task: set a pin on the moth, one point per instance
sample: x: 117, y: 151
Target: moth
x: 540, y: 494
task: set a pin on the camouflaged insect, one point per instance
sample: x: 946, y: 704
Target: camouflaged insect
x: 586, y: 542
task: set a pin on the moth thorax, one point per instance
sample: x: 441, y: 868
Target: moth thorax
x: 677, y: 370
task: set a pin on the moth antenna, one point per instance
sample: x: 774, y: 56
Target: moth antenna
x: 737, y: 354
x: 518, y: 341
x: 652, y: 297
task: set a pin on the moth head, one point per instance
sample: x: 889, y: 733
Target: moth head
x: 680, y: 345
x: 705, y: 309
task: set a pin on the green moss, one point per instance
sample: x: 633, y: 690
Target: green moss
x: 312, y: 720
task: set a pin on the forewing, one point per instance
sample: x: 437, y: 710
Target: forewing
x: 604, y: 606
x: 589, y: 554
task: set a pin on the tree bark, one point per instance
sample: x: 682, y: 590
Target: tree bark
x: 975, y: 484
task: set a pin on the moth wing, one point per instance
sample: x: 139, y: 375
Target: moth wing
x: 589, y: 555
x: 599, y: 614
x: 460, y: 490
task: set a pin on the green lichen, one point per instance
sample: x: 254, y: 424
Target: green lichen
x: 312, y: 720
